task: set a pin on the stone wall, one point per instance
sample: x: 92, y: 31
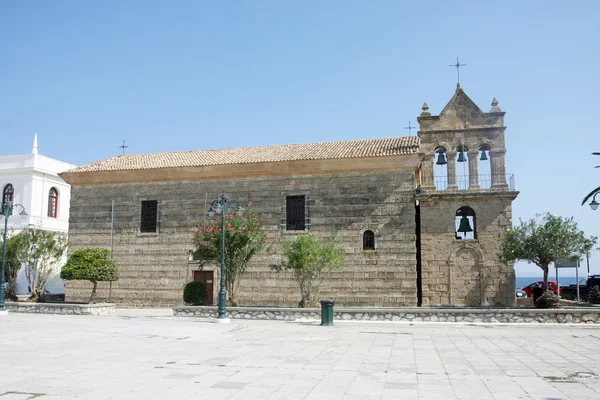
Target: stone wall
x: 473, y: 315
x: 465, y: 272
x: 60, y: 308
x: 154, y: 267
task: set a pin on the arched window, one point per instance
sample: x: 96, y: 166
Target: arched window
x: 466, y: 227
x: 53, y: 203
x: 485, y: 170
x: 368, y: 240
x: 462, y: 167
x: 8, y: 194
x: 441, y: 169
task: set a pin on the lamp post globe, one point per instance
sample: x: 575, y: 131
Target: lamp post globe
x: 6, y: 210
x: 594, y: 204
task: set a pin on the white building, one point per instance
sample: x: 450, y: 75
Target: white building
x: 32, y: 180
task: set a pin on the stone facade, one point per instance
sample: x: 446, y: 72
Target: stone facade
x: 417, y: 258
x: 455, y: 270
x: 155, y: 267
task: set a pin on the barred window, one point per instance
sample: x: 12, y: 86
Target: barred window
x: 368, y: 240
x: 295, y: 215
x: 53, y: 203
x: 8, y: 193
x: 149, y: 216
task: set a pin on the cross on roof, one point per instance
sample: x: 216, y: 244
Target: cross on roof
x: 410, y: 128
x: 123, y: 147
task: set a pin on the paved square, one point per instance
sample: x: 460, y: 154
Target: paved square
x: 148, y: 354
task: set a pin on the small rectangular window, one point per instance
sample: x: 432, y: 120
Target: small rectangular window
x: 295, y: 215
x: 149, y: 216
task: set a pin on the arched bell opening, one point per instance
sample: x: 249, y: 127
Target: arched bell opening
x: 465, y: 224
x: 462, y: 167
x: 485, y: 167
x: 441, y: 168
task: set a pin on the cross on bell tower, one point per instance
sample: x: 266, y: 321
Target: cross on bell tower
x: 457, y: 65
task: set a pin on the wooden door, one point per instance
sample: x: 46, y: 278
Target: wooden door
x: 206, y: 277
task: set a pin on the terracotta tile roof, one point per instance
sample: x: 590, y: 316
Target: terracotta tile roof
x: 288, y: 152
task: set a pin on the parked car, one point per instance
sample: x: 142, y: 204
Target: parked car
x: 521, y: 293
x: 528, y: 289
x: 569, y: 292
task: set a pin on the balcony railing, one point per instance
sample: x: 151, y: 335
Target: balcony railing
x: 485, y: 182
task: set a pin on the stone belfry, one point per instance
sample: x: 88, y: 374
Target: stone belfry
x: 462, y: 127
x: 464, y: 205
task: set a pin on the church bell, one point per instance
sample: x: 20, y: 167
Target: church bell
x: 484, y: 156
x: 441, y: 159
x: 464, y: 226
x: 461, y: 156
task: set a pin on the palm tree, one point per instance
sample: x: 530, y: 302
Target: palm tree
x: 595, y: 191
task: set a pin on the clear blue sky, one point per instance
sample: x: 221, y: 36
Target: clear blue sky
x: 182, y: 75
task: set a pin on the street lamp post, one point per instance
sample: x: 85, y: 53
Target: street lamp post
x: 220, y: 206
x: 594, y: 204
x: 6, y: 210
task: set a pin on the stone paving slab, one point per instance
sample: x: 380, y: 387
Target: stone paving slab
x: 149, y: 354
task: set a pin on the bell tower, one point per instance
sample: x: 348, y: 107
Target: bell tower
x: 465, y: 205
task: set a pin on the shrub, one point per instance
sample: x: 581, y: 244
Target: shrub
x: 195, y: 293
x: 91, y: 264
x: 309, y: 260
x: 548, y: 300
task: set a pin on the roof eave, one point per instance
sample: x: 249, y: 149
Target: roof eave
x: 408, y: 162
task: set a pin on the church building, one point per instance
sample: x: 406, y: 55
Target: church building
x: 419, y: 218
x: 31, y: 181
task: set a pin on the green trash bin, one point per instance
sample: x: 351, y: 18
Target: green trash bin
x: 327, y: 312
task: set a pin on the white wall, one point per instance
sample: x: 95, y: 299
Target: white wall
x: 32, y: 176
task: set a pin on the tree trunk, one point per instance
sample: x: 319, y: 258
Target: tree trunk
x: 545, y: 285
x: 305, y: 294
x: 304, y: 302
x: 93, y: 291
x: 11, y: 290
x: 231, y: 292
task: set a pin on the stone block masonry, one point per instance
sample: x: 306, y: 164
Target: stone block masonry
x: 154, y: 267
x: 465, y: 272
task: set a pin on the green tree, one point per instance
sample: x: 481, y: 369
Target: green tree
x: 309, y: 261
x: 15, y: 244
x: 245, y: 236
x: 595, y: 191
x: 90, y: 264
x: 40, y: 256
x: 543, y: 240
